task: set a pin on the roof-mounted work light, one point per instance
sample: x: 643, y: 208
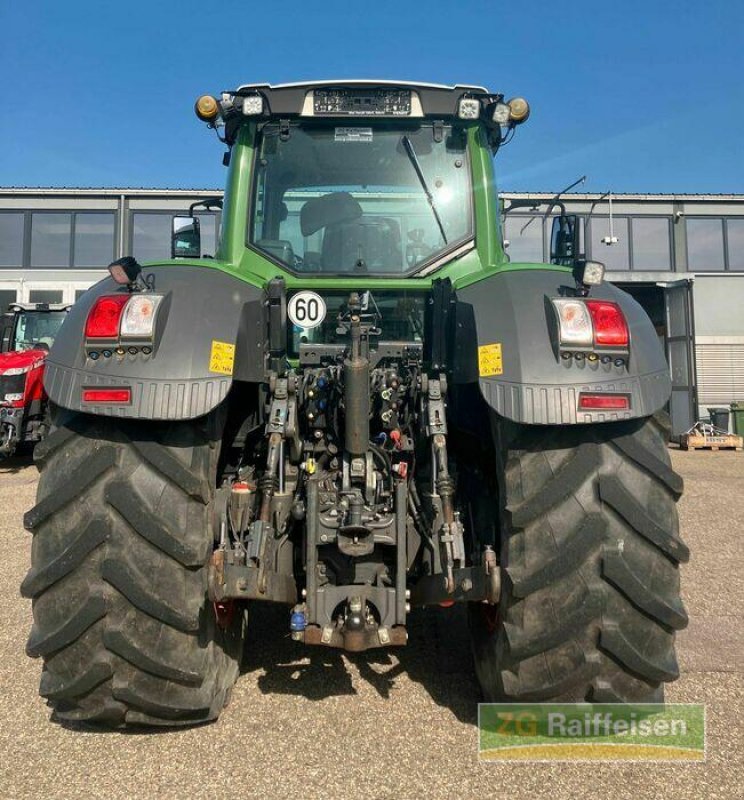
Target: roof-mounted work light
x: 468, y: 108
x: 511, y: 113
x: 253, y: 105
x: 501, y: 113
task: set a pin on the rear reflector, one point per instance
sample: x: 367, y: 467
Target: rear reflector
x: 610, y: 327
x: 107, y: 395
x: 103, y: 318
x: 604, y: 402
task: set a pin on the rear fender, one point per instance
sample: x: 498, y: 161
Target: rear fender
x: 533, y: 385
x: 177, y: 381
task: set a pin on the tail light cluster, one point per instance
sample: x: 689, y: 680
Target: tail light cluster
x: 118, y: 324
x: 592, y: 329
x: 116, y: 320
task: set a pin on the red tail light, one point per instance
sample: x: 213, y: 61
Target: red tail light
x: 103, y: 319
x: 120, y: 396
x: 604, y: 402
x: 610, y: 327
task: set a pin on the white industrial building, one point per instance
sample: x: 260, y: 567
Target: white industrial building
x: 681, y: 256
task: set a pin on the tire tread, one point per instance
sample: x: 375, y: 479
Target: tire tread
x: 590, y: 602
x: 121, y: 616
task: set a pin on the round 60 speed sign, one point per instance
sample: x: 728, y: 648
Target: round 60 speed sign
x: 306, y: 309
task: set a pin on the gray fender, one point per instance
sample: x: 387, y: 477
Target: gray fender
x: 536, y: 386
x: 201, y: 305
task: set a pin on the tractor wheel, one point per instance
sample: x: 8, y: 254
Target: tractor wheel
x: 122, y: 538
x: 590, y: 558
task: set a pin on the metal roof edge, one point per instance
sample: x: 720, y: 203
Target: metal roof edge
x: 658, y: 196
x: 542, y: 196
x: 66, y: 190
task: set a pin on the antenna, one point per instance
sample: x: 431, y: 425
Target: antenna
x: 533, y: 205
x: 556, y: 199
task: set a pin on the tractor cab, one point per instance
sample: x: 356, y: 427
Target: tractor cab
x: 353, y: 179
x: 28, y: 333
x: 32, y: 326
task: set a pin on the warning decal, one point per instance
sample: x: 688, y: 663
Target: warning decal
x: 353, y: 135
x: 489, y: 360
x: 222, y: 358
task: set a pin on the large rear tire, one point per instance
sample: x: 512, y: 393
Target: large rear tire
x: 590, y: 554
x: 122, y: 539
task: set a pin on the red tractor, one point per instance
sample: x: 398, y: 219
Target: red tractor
x: 28, y: 333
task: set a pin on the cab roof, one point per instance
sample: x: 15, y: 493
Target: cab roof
x: 359, y: 98
x: 367, y: 83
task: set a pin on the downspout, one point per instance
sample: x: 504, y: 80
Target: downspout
x: 120, y: 245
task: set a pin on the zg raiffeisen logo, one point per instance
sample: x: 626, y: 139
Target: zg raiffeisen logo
x: 591, y: 732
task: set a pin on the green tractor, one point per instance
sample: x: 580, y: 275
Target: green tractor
x: 358, y: 406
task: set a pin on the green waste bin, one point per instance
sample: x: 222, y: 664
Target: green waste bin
x: 737, y: 414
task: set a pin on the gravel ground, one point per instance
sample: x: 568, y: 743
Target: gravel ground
x: 321, y: 724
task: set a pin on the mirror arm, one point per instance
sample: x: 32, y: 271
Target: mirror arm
x: 208, y: 203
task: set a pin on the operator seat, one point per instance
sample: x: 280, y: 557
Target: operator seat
x: 369, y: 244
x: 328, y: 209
x: 351, y: 241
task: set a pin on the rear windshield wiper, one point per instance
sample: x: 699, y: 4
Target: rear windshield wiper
x: 422, y: 180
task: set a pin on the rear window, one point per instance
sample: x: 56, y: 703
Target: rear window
x: 354, y: 198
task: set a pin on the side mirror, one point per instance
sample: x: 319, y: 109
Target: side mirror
x: 7, y: 323
x: 185, y: 238
x: 564, y: 240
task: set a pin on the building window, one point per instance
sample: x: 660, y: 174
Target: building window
x: 94, y: 239
x: 704, y: 244
x: 614, y: 255
x: 525, y: 237
x: 735, y: 243
x: 79, y: 293
x: 11, y: 240
x: 7, y: 296
x: 45, y: 296
x: 151, y: 236
x: 50, y: 239
x: 651, y: 243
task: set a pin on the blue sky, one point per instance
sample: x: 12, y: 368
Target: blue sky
x: 639, y: 96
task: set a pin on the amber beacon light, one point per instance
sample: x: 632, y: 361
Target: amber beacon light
x: 206, y: 108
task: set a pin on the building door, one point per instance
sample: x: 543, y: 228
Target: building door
x: 669, y: 306
x: 680, y: 350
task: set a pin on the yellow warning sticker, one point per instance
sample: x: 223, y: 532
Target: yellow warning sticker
x: 222, y: 357
x: 489, y: 360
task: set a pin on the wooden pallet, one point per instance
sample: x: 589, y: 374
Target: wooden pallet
x: 698, y: 441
